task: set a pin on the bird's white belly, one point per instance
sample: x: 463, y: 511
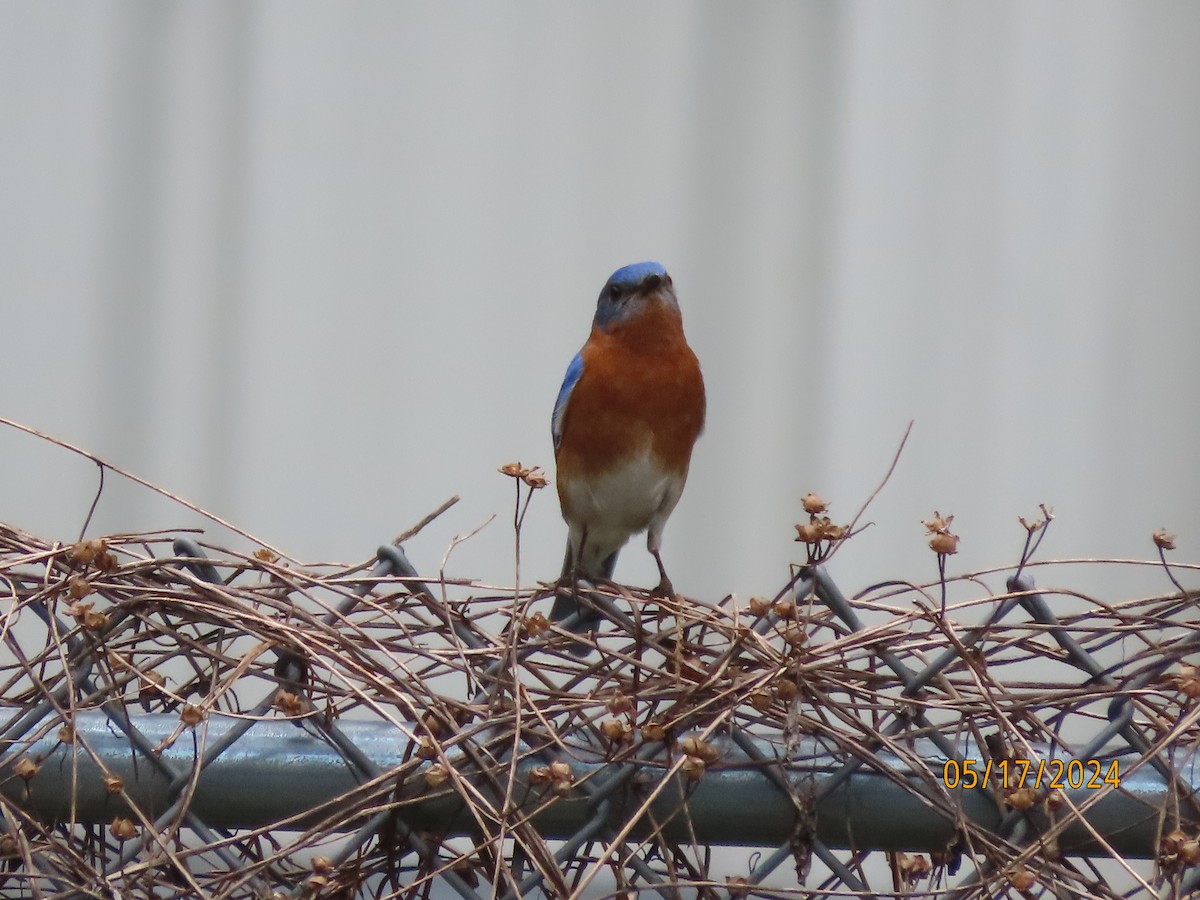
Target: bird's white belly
x: 618, y: 504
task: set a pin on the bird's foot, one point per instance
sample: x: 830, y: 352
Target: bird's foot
x: 665, y: 590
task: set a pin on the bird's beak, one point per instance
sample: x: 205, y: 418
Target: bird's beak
x: 650, y: 283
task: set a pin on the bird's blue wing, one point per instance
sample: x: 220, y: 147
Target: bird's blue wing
x: 574, y: 370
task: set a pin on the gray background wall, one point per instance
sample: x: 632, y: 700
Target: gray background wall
x: 317, y: 267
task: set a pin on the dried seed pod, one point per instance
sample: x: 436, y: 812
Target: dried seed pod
x: 760, y: 700
x: 1189, y: 852
x: 122, y: 829
x: 786, y: 689
x: 619, y: 703
x: 1172, y: 841
x: 535, y: 625
x: 437, y: 775
x: 615, y: 730
x: 426, y: 749
x: 810, y: 532
x: 85, y: 552
x: 1022, y: 879
x: 1021, y: 798
x: 835, y: 532
x: 694, y: 746
x: 654, y: 731
x: 918, y: 867
x: 813, y: 504
x: 795, y: 636
x: 945, y: 544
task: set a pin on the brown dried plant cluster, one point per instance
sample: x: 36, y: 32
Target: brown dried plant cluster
x: 507, y: 744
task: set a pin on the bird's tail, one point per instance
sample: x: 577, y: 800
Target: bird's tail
x: 566, y: 601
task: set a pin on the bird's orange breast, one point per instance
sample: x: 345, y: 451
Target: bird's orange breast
x: 641, y: 389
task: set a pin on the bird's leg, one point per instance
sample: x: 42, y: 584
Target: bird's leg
x: 570, y: 569
x: 569, y: 577
x: 665, y: 589
x: 575, y: 563
x: 571, y: 572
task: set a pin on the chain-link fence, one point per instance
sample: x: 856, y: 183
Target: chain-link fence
x: 186, y: 720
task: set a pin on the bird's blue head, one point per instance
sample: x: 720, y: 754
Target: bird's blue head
x: 628, y: 291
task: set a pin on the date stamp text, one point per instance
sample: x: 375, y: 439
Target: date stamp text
x: 1053, y: 774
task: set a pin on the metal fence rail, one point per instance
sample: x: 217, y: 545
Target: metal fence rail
x: 278, y: 773
x: 188, y: 720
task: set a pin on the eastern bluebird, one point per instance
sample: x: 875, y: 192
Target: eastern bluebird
x: 626, y: 418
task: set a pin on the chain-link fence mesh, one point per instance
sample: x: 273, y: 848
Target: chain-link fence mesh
x: 181, y: 719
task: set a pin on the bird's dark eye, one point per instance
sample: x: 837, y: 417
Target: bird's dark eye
x: 614, y: 293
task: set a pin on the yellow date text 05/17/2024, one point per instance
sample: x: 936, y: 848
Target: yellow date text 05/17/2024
x: 1054, y: 774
